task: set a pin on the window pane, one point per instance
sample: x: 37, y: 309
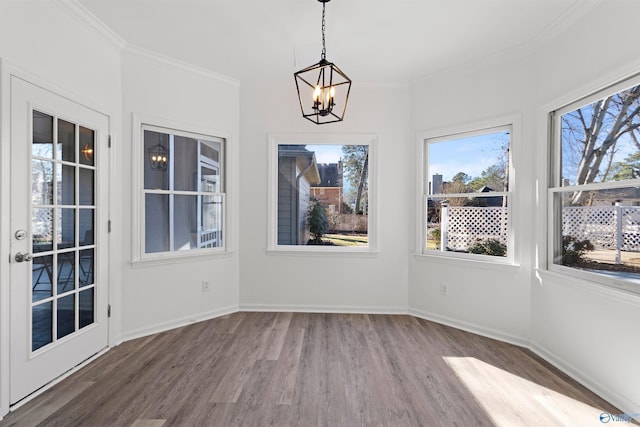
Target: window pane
x: 86, y: 186
x: 86, y: 234
x: 601, y: 233
x: 599, y: 141
x: 156, y: 223
x: 323, y: 193
x: 185, y: 224
x: 185, y: 167
x: 478, y: 163
x: 477, y: 225
x: 211, y: 230
x: 156, y: 172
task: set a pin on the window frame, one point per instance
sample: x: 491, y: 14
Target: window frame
x: 174, y: 128
x: 554, y: 171
x: 369, y: 140
x: 511, y: 123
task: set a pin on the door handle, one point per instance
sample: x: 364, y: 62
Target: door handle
x: 21, y: 257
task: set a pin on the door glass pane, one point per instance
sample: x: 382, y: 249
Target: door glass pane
x: 87, y: 146
x: 42, y: 229
x: 209, y: 179
x: 86, y: 307
x: 41, y: 277
x: 86, y: 227
x: 66, y: 184
x: 156, y: 223
x: 41, y: 182
x: 65, y: 236
x: 42, y: 135
x: 66, y: 271
x: 86, y: 186
x: 66, y: 141
x: 85, y: 263
x: 66, y: 315
x: 41, y: 325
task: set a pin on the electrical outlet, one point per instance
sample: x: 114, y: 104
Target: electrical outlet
x: 205, y: 286
x: 444, y: 290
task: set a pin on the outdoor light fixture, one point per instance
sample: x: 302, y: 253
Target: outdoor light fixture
x: 158, y: 155
x: 323, y: 89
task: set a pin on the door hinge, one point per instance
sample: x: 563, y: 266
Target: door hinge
x: 109, y: 141
x: 109, y: 310
x: 109, y: 226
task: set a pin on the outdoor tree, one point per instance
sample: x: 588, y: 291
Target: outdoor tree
x: 591, y: 137
x: 493, y: 177
x: 356, y: 169
x: 627, y: 169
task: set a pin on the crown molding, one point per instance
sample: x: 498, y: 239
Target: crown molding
x: 158, y: 57
x: 90, y: 21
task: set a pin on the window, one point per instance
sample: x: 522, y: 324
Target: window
x: 595, y: 186
x: 466, y: 194
x: 183, y: 192
x: 322, y: 193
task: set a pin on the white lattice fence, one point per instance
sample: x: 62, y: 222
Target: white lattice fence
x: 599, y: 225
x: 468, y: 224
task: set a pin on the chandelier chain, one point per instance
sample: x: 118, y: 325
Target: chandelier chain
x: 324, y: 49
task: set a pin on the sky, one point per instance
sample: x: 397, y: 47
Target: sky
x: 326, y: 153
x: 470, y: 155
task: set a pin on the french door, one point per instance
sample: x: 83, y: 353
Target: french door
x: 59, y: 297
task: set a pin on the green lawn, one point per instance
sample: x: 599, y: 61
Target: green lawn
x: 347, y: 239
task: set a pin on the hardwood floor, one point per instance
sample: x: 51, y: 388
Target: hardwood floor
x: 298, y: 369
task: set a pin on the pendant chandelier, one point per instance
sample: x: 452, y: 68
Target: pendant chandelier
x: 323, y: 89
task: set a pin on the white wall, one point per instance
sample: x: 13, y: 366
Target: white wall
x: 492, y: 299
x: 332, y: 282
x: 590, y: 332
x: 159, y: 296
x: 42, y: 43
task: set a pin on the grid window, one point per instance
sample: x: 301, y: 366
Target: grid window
x: 467, y: 194
x: 183, y: 194
x: 594, y: 194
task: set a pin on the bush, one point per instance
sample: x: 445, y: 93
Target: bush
x: 574, y: 250
x: 318, y: 221
x: 435, y: 234
x: 491, y: 247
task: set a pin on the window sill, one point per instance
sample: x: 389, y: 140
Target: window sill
x: 600, y: 283
x: 464, y: 261
x: 179, y: 258
x: 327, y: 251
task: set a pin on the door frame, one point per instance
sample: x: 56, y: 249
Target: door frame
x: 7, y: 70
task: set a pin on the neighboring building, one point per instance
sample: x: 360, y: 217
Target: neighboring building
x: 329, y: 189
x: 297, y: 171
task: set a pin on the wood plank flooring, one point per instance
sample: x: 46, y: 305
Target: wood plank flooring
x: 298, y: 369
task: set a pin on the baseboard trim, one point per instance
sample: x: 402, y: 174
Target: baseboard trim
x: 469, y: 327
x: 338, y: 309
x: 178, y: 323
x: 616, y: 399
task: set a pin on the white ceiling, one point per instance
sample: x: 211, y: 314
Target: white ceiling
x: 370, y: 40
